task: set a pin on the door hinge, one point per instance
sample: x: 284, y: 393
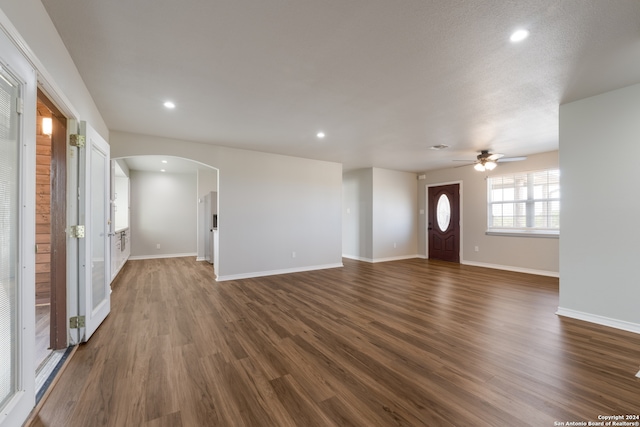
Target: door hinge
x: 76, y: 322
x: 77, y: 231
x: 19, y: 105
x: 76, y: 140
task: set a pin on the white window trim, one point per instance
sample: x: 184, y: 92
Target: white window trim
x: 520, y: 232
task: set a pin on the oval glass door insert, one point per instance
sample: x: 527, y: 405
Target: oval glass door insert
x: 443, y: 212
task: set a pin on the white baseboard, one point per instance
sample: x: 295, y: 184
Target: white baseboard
x: 113, y: 277
x: 357, y: 258
x: 200, y: 258
x: 473, y: 263
x: 599, y: 320
x: 511, y: 268
x: 375, y: 260
x: 275, y: 272
x: 138, y: 257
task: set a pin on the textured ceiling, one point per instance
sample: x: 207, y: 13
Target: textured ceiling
x: 384, y: 79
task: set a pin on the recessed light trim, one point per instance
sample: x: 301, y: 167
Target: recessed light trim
x: 170, y: 105
x: 519, y: 35
x: 320, y: 135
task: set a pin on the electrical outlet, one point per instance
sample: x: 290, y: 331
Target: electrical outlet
x: 158, y: 246
x: 395, y: 245
x: 477, y: 249
x: 293, y: 254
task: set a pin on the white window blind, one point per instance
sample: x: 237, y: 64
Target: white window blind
x: 525, y: 203
x: 9, y: 213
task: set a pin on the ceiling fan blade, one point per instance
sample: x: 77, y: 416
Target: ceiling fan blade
x: 495, y: 156
x: 467, y: 161
x: 512, y: 159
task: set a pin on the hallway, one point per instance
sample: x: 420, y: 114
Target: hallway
x: 413, y: 342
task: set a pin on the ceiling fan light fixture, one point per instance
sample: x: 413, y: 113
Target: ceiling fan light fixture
x: 479, y: 167
x: 490, y: 165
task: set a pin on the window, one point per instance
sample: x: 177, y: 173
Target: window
x: 526, y: 203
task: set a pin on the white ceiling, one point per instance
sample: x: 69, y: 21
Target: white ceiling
x: 384, y: 79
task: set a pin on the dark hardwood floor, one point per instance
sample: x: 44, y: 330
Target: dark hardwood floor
x: 415, y: 342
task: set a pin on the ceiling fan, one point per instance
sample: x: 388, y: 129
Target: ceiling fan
x: 489, y: 161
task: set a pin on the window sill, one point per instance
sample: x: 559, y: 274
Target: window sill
x: 550, y: 234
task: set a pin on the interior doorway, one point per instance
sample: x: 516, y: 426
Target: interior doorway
x: 51, y: 222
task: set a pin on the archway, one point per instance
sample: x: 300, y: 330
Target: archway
x: 163, y: 206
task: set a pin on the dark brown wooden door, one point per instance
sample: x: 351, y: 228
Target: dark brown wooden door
x: 443, y: 227
x: 56, y: 241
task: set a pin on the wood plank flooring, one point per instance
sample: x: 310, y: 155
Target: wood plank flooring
x: 406, y: 343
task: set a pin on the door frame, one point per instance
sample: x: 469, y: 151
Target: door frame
x: 55, y: 94
x: 426, y: 216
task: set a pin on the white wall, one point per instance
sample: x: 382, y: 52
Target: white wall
x: 599, y: 251
x: 380, y: 220
x: 395, y: 214
x: 269, y: 205
x: 357, y: 214
x: 528, y: 254
x: 164, y: 212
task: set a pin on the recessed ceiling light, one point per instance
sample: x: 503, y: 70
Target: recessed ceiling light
x: 162, y: 170
x: 320, y: 135
x: 519, y: 35
x: 164, y: 161
x: 169, y: 105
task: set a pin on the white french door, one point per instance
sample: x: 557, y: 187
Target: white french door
x: 94, y: 213
x: 17, y: 234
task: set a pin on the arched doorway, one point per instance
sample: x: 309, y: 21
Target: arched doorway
x: 163, y: 206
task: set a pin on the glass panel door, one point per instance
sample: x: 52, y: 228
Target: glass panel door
x: 95, y: 258
x: 9, y: 214
x: 17, y: 234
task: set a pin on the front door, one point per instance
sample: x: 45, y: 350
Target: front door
x: 95, y: 265
x: 443, y: 227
